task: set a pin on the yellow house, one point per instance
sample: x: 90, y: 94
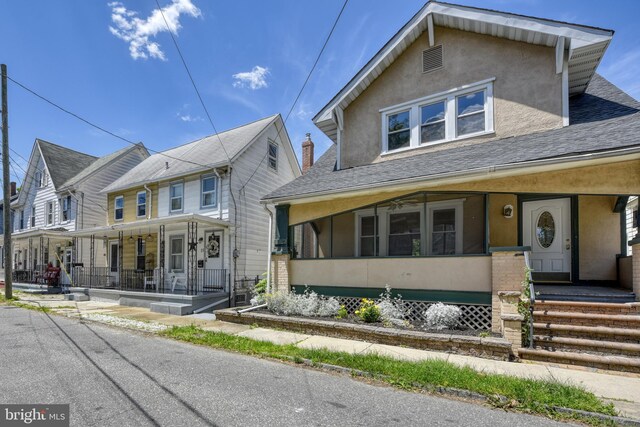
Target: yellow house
x: 471, y: 138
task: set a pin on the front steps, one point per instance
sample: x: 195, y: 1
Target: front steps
x: 593, y: 334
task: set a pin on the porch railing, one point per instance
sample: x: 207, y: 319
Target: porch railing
x: 29, y: 275
x: 207, y: 280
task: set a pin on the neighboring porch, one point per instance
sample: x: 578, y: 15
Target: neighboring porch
x: 182, y: 255
x: 37, y: 250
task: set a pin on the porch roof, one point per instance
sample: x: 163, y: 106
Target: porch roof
x: 145, y: 224
x: 605, y: 122
x: 61, y: 233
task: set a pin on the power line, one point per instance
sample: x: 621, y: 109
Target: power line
x: 33, y: 92
x: 184, y: 63
x: 304, y: 85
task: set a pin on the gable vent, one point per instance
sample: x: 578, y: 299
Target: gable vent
x: 432, y: 59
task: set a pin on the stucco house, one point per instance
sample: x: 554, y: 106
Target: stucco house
x: 185, y: 227
x: 472, y: 137
x: 59, y: 195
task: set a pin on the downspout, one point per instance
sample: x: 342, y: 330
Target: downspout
x: 215, y: 171
x: 269, y: 247
x: 150, y: 200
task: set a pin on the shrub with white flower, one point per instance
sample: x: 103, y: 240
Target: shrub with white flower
x: 392, y: 310
x: 441, y: 316
x: 308, y: 304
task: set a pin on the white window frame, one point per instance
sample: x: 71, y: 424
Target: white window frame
x: 116, y: 208
x: 50, y: 212
x: 21, y: 224
x: 172, y: 254
x: 458, y: 206
x: 271, y: 158
x: 214, y: 191
x: 451, y: 117
x: 411, y: 209
x: 65, y: 209
x: 45, y: 179
x: 38, y: 179
x: 171, y: 197
x: 32, y: 220
x: 138, y: 204
x: 358, y: 218
x: 384, y: 217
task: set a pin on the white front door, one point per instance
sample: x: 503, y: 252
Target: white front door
x: 213, y: 250
x: 546, y: 228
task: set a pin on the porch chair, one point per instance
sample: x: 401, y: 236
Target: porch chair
x: 151, y: 281
x: 177, y: 282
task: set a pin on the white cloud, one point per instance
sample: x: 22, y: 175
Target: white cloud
x: 254, y: 79
x: 139, y: 32
x: 189, y: 118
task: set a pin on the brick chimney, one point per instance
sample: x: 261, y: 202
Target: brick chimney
x: 13, y: 188
x: 307, y: 154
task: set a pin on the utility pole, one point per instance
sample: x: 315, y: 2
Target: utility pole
x: 8, y: 267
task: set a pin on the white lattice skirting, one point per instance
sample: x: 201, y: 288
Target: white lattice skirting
x: 473, y: 316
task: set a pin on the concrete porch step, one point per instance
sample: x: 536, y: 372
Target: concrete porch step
x: 614, y: 363
x: 171, y: 308
x: 588, y: 307
x: 587, y: 319
x: 552, y: 343
x: 613, y: 298
x: 601, y: 333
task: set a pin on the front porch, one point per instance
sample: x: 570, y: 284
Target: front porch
x: 36, y: 250
x: 183, y: 254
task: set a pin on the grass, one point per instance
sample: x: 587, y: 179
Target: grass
x: 15, y: 301
x: 528, y: 395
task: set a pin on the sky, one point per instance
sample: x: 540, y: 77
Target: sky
x: 114, y: 63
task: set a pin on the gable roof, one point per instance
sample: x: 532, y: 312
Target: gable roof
x: 604, y: 120
x: 100, y: 163
x: 63, y: 163
x: 197, y: 156
x: 586, y: 46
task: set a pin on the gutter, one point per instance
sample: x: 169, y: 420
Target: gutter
x: 470, y: 173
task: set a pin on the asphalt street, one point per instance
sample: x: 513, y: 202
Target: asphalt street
x: 113, y: 377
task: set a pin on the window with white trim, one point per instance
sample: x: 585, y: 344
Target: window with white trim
x: 141, y: 204
x: 209, y: 189
x: 458, y: 113
x: 38, y: 179
x: 118, y: 208
x: 22, y: 219
x: 272, y: 155
x: 65, y: 208
x: 176, y: 251
x: 176, y: 193
x: 50, y: 212
x: 445, y: 220
x: 33, y: 216
x: 369, y: 242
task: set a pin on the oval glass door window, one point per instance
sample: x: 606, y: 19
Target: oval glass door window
x: 545, y: 229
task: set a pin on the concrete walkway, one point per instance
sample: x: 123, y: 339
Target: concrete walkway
x: 623, y: 390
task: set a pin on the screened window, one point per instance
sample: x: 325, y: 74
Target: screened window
x: 141, y: 204
x: 65, y: 204
x: 404, y: 234
x: 209, y: 191
x: 176, y: 261
x: 368, y: 236
x: 398, y: 130
x: 176, y: 193
x: 471, y: 113
x: 118, y: 208
x: 50, y: 207
x: 273, y: 155
x: 432, y: 124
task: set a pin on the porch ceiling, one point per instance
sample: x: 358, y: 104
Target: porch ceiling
x: 147, y: 225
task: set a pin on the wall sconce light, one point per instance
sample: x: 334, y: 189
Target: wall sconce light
x: 200, y: 240
x: 507, y: 211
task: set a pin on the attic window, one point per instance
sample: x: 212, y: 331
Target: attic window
x: 432, y: 59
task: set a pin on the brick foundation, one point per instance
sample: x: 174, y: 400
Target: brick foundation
x: 635, y: 244
x: 507, y: 274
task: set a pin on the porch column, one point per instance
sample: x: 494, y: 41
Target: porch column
x: 192, y: 257
x: 280, y: 272
x: 120, y: 250
x: 507, y: 273
x: 161, y: 257
x: 92, y: 258
x: 635, y: 245
x: 28, y: 260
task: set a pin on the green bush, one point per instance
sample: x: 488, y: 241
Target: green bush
x: 368, y: 311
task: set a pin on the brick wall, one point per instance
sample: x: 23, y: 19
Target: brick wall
x: 280, y: 272
x: 636, y: 267
x: 507, y: 274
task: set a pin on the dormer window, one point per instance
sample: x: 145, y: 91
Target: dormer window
x: 455, y: 114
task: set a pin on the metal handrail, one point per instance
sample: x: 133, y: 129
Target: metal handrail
x: 532, y: 295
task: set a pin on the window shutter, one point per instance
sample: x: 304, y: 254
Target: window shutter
x: 432, y: 59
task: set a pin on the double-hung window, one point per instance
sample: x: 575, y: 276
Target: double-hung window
x: 21, y: 219
x: 141, y: 204
x: 176, y: 261
x: 118, y: 208
x: 65, y: 205
x: 458, y: 113
x: 209, y: 188
x: 176, y: 193
x: 404, y: 234
x: 38, y: 179
x: 50, y: 212
x: 369, y: 243
x: 445, y: 221
x: 141, y: 251
x: 272, y: 155
x: 33, y: 216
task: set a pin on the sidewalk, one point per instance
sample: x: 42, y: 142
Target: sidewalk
x: 623, y: 390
